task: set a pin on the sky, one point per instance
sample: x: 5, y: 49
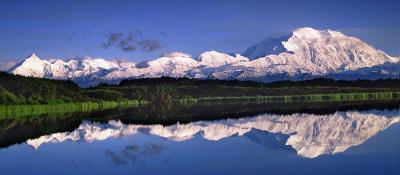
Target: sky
x: 143, y: 30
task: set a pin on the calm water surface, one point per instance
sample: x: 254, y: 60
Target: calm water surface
x: 350, y: 141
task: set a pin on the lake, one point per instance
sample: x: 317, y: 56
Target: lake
x: 207, y: 138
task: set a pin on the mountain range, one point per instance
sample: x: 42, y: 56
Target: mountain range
x: 304, y: 54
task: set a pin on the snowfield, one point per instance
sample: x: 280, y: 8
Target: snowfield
x: 305, y: 53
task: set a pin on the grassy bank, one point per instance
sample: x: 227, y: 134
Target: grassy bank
x: 334, y: 97
x: 14, y: 111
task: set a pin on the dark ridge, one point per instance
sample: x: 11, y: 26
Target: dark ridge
x: 317, y: 82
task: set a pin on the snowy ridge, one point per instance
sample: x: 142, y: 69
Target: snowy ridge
x: 310, y: 135
x: 304, y: 54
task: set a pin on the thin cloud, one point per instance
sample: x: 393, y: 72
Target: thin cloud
x: 134, y: 153
x: 5, y: 66
x: 113, y: 39
x: 149, y: 45
x: 131, y: 42
x: 177, y: 54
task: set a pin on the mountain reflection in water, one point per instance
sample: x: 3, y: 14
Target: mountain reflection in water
x: 309, y: 135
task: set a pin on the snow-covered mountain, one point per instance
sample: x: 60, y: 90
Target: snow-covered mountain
x: 308, y: 134
x: 305, y: 53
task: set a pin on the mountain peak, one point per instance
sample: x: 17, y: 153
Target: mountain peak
x: 210, y: 54
x: 33, y: 56
x: 308, y: 33
x: 305, y: 37
x: 32, y: 66
x: 216, y: 59
x: 275, y: 46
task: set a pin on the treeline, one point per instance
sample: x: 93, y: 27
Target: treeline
x: 15, y: 89
x: 196, y: 88
x: 150, y: 92
x: 317, y: 82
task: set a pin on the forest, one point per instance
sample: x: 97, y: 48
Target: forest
x: 15, y: 90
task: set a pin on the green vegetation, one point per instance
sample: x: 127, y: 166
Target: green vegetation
x: 16, y: 89
x: 339, y: 97
x: 19, y: 90
x: 161, y: 93
x: 15, y: 111
x: 184, y: 89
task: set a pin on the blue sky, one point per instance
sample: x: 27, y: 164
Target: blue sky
x: 67, y: 29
